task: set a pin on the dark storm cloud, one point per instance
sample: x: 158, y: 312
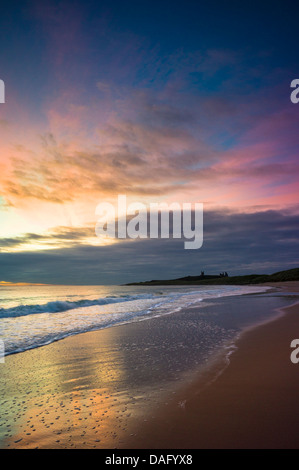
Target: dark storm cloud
x: 67, y: 234
x: 261, y: 242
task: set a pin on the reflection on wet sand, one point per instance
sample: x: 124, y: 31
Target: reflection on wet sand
x: 66, y: 396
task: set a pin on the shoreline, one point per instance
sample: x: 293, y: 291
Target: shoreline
x: 125, y: 322
x: 85, y: 391
x: 251, y: 404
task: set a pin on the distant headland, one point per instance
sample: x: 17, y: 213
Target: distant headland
x: 224, y: 278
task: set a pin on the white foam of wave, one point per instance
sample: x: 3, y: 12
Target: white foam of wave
x: 35, y: 329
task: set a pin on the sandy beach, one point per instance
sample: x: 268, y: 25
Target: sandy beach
x: 253, y: 404
x: 89, y: 390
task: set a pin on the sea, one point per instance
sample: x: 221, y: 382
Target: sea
x: 34, y: 316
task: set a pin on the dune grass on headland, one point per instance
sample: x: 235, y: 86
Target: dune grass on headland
x: 281, y: 276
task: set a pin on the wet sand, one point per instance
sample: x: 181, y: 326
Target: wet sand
x: 253, y: 404
x: 94, y: 389
x: 125, y: 387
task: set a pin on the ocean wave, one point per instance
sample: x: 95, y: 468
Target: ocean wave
x: 29, y: 326
x: 64, y: 305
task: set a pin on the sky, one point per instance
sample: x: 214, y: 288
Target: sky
x: 161, y: 101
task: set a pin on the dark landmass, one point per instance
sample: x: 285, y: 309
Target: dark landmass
x: 222, y: 279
